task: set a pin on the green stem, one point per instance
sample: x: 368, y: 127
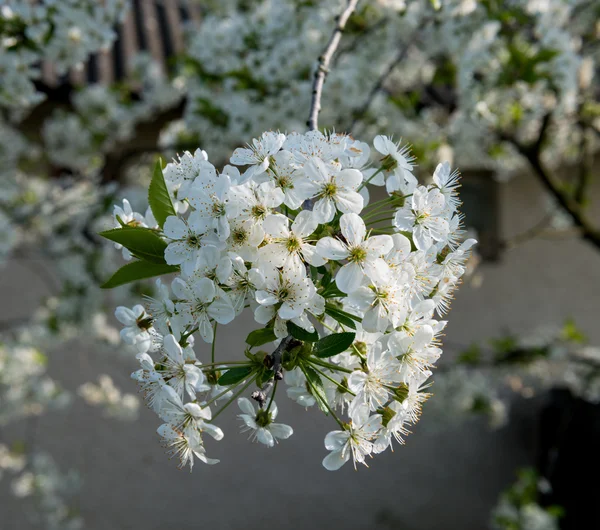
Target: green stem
x: 250, y: 381
x: 331, y: 366
x: 369, y: 179
x: 272, y: 396
x: 345, y: 389
x: 221, y: 394
x: 212, y: 353
x: 224, y: 364
x: 315, y: 394
x: 380, y: 220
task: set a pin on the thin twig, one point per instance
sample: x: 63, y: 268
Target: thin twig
x: 532, y: 154
x: 358, y: 114
x: 323, y: 65
x: 260, y: 395
x: 536, y: 230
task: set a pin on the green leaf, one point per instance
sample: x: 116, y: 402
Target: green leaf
x: 301, y: 334
x: 263, y: 376
x: 316, y: 387
x: 340, y: 316
x: 235, y: 375
x: 143, y: 243
x: 332, y: 291
x: 333, y: 344
x: 258, y: 337
x: 138, y: 270
x: 158, y: 196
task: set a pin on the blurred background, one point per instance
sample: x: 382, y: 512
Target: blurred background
x: 91, y: 92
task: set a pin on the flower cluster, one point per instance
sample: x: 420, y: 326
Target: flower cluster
x: 346, y: 287
x: 64, y: 32
x: 468, y: 70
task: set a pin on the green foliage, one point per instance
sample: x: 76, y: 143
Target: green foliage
x: 301, y: 334
x: 333, y: 344
x: 570, y: 332
x: 235, y: 375
x: 158, y: 196
x: 316, y: 387
x: 258, y: 337
x: 344, y: 318
x: 212, y: 113
x: 332, y: 291
x: 138, y: 270
x: 143, y: 243
x: 472, y: 355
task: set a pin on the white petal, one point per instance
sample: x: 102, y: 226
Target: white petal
x: 333, y: 461
x: 281, y: 431
x: 304, y: 224
x: 246, y: 406
x: 349, y: 178
x: 353, y: 228
x: 331, y: 248
x: 264, y: 436
x: 349, y: 277
x: 379, y: 245
x: 324, y: 210
x: 276, y: 225
x: 175, y: 228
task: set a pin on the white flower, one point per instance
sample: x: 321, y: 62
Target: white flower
x: 355, y: 441
x: 261, y: 423
x: 285, y: 296
x: 149, y: 381
x: 182, y: 375
x: 293, y: 183
x: 423, y: 215
x: 370, y: 385
x: 245, y: 237
x: 243, y: 283
x: 200, y: 301
x: 333, y: 188
x: 212, y: 264
x: 448, y: 183
x: 258, y: 154
x: 137, y: 323
x: 184, y: 445
x: 414, y: 384
x: 398, y: 162
x: 189, y: 415
x: 186, y: 241
x: 394, y: 418
x: 289, y: 248
x: 382, y: 302
x: 160, y: 308
x: 415, y: 349
x: 256, y: 201
x: 209, y: 198
x: 364, y: 255
x: 297, y: 388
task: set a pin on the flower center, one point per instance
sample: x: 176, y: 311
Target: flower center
x: 293, y: 244
x: 259, y: 211
x: 193, y: 241
x: 218, y: 209
x: 239, y: 236
x: 263, y: 418
x: 329, y: 190
x: 357, y: 255
x: 284, y: 182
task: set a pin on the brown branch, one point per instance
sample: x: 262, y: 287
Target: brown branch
x: 529, y: 234
x: 323, y: 65
x: 532, y: 153
x: 362, y: 110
